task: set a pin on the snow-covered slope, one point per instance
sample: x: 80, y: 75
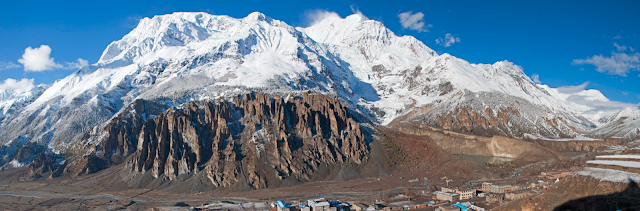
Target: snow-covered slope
x: 625, y: 124
x: 407, y: 74
x: 12, y: 99
x: 183, y: 56
x: 586, y: 102
x: 178, y: 57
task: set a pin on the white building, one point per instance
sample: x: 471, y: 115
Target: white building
x: 486, y: 187
x: 466, y: 194
x: 318, y: 204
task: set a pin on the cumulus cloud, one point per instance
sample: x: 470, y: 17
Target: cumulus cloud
x: 14, y: 85
x: 448, y: 40
x: 8, y: 65
x: 536, y: 78
x: 39, y: 59
x: 620, y: 47
x: 314, y: 16
x: 412, y: 21
x: 616, y: 64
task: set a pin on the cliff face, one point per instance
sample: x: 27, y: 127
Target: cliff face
x: 254, y: 139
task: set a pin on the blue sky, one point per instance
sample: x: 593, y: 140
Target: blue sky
x: 564, y: 43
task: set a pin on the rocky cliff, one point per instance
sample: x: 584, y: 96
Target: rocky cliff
x: 250, y: 141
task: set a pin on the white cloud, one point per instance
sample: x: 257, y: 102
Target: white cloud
x: 617, y: 37
x: 413, y: 21
x: 620, y: 47
x: 448, y: 40
x: 39, y: 59
x: 573, y: 89
x: 132, y: 21
x: 314, y: 16
x: 616, y: 64
x: 8, y: 65
x: 536, y: 78
x: 356, y: 11
x: 77, y: 64
x: 14, y: 85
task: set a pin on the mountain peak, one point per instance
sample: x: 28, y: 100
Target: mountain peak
x: 359, y: 17
x: 186, y: 55
x: 258, y: 16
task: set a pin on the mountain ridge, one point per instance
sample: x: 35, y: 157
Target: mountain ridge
x: 182, y: 57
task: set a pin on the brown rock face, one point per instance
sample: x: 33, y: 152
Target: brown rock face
x: 45, y: 165
x: 253, y: 140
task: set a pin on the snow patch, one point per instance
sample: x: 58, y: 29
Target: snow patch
x: 16, y: 164
x: 629, y: 164
x: 619, y: 156
x: 609, y: 175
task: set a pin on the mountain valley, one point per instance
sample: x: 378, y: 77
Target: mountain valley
x: 214, y: 107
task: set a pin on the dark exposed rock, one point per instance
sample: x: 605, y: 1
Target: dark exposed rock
x: 46, y: 164
x: 254, y: 140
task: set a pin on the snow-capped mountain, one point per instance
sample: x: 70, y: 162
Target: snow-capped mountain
x: 407, y: 74
x: 185, y: 56
x: 12, y: 99
x: 623, y: 124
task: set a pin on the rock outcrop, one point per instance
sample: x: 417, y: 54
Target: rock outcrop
x: 253, y: 140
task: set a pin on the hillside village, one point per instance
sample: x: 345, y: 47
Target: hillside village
x: 479, y: 197
x: 472, y: 196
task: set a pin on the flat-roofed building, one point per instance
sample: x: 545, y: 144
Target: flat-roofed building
x: 444, y: 196
x: 358, y: 207
x: 517, y: 195
x: 515, y: 188
x: 449, y: 208
x: 466, y: 193
x: 486, y: 187
x: 448, y: 189
x: 500, y: 188
x: 318, y: 204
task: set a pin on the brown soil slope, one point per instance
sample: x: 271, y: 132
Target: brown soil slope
x: 500, y: 146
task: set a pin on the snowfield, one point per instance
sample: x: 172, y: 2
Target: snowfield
x: 629, y: 164
x: 609, y: 175
x: 619, y: 156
